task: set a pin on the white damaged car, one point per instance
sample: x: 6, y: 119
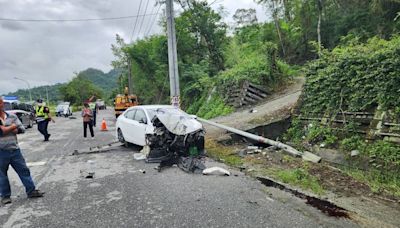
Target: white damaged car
x: 159, y: 126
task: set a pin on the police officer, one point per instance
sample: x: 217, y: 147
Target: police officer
x: 93, y: 106
x: 43, y: 118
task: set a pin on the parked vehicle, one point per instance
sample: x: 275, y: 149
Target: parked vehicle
x: 64, y: 109
x: 123, y: 101
x: 26, y: 107
x: 139, y: 123
x: 26, y: 117
x: 101, y: 104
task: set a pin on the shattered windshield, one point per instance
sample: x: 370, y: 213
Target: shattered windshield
x: 153, y: 112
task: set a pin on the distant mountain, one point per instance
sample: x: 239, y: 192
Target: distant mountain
x: 105, y: 81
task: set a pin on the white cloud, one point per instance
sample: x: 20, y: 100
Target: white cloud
x: 49, y: 52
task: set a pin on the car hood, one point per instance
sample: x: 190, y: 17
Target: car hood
x: 179, y: 124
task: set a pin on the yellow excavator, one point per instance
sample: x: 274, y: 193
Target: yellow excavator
x: 123, y: 101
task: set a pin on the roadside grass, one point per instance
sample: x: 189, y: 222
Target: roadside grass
x: 378, y: 162
x: 378, y: 182
x: 297, y: 176
x: 222, y: 153
x: 300, y: 177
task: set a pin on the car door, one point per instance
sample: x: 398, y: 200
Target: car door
x: 126, y: 124
x: 139, y: 132
x: 23, y: 118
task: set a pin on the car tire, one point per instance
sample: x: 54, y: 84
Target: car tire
x: 121, y: 138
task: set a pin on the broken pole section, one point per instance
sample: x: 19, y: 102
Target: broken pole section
x: 307, y: 156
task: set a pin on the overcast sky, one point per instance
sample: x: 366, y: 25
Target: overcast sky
x: 45, y: 53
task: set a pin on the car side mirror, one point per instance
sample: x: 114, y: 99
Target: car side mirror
x: 142, y: 121
x: 193, y: 116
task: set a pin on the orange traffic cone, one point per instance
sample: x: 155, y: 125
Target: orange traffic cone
x: 104, y: 125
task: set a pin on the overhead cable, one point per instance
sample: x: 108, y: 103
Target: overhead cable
x: 145, y: 11
x: 155, y: 18
x: 134, y: 28
x: 76, y: 20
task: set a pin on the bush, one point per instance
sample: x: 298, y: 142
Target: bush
x: 356, y: 77
x: 317, y: 133
x: 355, y: 142
x: 213, y: 108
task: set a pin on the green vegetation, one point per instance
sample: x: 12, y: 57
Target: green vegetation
x: 378, y: 164
x: 210, y: 61
x: 79, y: 89
x: 300, y: 177
x: 106, y: 82
x: 39, y: 92
x: 383, y: 172
x: 355, y: 77
x: 222, y: 153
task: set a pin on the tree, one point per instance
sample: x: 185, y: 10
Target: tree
x: 206, y: 27
x: 245, y: 17
x: 79, y: 90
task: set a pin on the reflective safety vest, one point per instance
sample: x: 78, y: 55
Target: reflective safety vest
x: 40, y: 113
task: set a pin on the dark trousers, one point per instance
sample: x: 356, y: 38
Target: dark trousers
x: 85, y: 125
x: 17, y: 161
x: 42, y: 127
x: 94, y: 118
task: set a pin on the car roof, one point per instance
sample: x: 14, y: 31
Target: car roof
x: 147, y: 107
x: 15, y: 110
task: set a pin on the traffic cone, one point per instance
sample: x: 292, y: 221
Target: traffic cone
x: 104, y: 125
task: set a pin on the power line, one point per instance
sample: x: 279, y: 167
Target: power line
x: 134, y: 28
x: 145, y: 11
x: 149, y: 21
x: 76, y: 20
x: 155, y: 18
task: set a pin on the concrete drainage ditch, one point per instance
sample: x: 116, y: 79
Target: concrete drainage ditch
x: 324, y: 206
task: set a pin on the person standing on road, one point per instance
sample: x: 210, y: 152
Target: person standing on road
x: 93, y: 106
x: 10, y: 154
x: 43, y: 118
x: 87, y: 115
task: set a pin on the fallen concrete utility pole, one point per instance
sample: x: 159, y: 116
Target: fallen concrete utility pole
x: 98, y: 149
x: 307, y: 156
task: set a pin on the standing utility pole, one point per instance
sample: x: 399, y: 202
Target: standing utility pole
x: 172, y: 55
x: 130, y: 76
x: 47, y: 95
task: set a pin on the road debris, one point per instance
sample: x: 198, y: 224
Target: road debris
x: 138, y: 171
x: 354, y: 153
x: 90, y: 169
x: 99, y: 149
x: 86, y: 174
x: 216, y: 171
x: 139, y: 156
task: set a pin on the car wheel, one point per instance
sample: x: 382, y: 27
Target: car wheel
x: 121, y: 138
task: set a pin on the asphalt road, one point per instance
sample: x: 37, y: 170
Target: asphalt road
x: 121, y: 196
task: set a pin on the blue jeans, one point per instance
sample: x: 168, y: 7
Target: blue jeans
x: 17, y: 161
